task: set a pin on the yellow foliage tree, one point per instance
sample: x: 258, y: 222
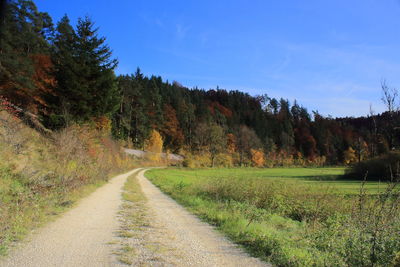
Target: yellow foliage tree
x: 350, y: 156
x: 257, y: 157
x: 154, y: 145
x: 103, y: 124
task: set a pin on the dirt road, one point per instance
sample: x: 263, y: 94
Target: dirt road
x: 87, y: 234
x: 80, y: 237
x: 195, y: 243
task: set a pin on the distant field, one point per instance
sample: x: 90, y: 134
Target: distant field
x: 291, y: 216
x: 329, y: 178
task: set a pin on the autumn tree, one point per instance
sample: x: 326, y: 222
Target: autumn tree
x: 154, y: 145
x: 350, y: 156
x: 217, y: 141
x: 231, y: 143
x: 171, y: 130
x: 210, y: 138
x: 257, y: 157
x: 247, y: 139
x: 24, y: 36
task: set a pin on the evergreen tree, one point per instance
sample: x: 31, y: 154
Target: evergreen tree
x: 85, y: 72
x: 131, y: 119
x: 154, y: 105
x: 65, y: 73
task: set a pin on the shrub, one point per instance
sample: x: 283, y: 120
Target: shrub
x: 197, y: 160
x: 380, y: 168
x: 223, y: 160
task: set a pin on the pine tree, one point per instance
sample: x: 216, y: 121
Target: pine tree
x: 85, y: 72
x: 65, y: 73
x: 153, y: 101
x: 130, y: 119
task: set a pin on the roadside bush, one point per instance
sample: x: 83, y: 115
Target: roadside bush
x: 380, y: 168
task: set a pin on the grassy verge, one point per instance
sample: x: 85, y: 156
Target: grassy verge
x: 139, y: 245
x: 42, y: 176
x: 292, y: 217
x: 133, y: 216
x: 23, y: 210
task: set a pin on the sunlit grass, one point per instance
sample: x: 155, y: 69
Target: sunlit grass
x: 287, y: 216
x: 321, y: 177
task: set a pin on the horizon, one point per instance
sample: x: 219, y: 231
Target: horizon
x: 330, y: 57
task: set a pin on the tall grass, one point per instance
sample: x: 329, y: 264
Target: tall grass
x: 290, y: 223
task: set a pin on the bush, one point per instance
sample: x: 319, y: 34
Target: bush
x: 380, y: 168
x: 223, y: 160
x: 197, y: 160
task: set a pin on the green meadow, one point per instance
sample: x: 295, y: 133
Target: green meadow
x: 330, y: 178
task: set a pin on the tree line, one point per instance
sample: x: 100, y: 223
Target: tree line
x: 65, y: 75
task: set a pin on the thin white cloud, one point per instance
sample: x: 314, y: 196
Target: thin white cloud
x: 181, y: 31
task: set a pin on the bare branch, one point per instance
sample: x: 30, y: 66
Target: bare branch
x: 390, y: 97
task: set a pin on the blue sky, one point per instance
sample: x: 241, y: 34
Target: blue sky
x: 330, y: 55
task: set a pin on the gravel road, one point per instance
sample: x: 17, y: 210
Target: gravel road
x: 80, y: 237
x: 85, y: 235
x: 196, y: 243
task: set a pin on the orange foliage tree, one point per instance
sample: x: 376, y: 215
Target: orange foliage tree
x: 103, y: 124
x: 173, y: 134
x: 43, y: 80
x: 30, y: 96
x: 257, y: 157
x: 231, y: 143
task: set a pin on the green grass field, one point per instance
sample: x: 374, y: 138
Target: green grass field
x: 287, y: 216
x: 330, y: 178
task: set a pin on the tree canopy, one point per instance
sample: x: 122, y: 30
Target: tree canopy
x: 65, y: 74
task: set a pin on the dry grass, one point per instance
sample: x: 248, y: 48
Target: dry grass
x: 42, y: 176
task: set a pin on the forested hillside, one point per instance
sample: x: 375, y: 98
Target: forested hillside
x: 65, y: 75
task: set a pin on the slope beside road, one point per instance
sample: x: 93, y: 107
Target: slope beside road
x: 80, y: 237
